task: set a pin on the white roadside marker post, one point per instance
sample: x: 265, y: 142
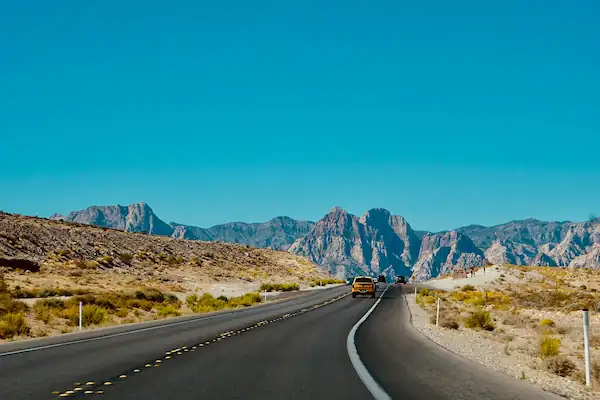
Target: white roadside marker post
x: 437, y: 315
x: 80, y: 315
x: 586, y: 343
x: 265, y: 295
x: 415, y: 291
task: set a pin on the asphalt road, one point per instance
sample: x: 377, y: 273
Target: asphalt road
x: 300, y: 356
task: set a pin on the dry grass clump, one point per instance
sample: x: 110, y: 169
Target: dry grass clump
x: 479, y: 320
x: 208, y: 303
x: 13, y: 324
x: 560, y: 365
x: 279, y: 287
x: 549, y: 346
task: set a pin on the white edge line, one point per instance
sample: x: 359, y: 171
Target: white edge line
x: 373, y: 387
x: 131, y: 332
x: 151, y: 328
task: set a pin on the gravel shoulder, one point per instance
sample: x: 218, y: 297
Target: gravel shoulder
x: 480, y: 347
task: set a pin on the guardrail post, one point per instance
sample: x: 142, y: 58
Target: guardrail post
x: 437, y: 315
x: 586, y: 343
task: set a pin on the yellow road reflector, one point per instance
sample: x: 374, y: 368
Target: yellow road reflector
x: 88, y: 392
x: 56, y: 392
x: 69, y: 392
x: 147, y: 365
x: 76, y: 384
x: 158, y: 361
x: 107, y: 383
x: 157, y: 365
x: 99, y: 391
x: 78, y: 389
x: 136, y: 370
x: 64, y: 395
x: 123, y: 376
x: 90, y: 383
x: 180, y: 353
x: 167, y: 357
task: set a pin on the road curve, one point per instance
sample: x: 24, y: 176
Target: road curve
x: 300, y: 356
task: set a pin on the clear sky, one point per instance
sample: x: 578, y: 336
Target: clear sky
x: 446, y: 112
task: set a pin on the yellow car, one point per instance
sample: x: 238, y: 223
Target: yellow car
x: 363, y: 285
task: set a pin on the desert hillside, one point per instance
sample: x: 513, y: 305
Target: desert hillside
x: 127, y: 276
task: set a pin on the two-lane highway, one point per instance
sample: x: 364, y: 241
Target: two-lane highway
x: 303, y: 355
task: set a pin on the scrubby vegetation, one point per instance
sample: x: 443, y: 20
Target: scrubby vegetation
x: 479, y: 320
x: 549, y: 346
x: 12, y: 319
x: 279, y: 287
x: 208, y: 303
x: 323, y: 282
x: 532, y: 311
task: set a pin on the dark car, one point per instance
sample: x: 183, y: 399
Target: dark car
x: 401, y: 279
x: 381, y: 278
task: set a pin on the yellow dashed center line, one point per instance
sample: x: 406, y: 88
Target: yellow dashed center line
x: 168, y: 354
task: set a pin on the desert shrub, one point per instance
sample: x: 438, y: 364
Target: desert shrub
x: 126, y: 258
x: 122, y: 312
x: 549, y: 346
x: 150, y: 294
x: 45, y: 309
x: 449, y: 324
x: 245, y: 300
x: 105, y: 260
x: 547, y: 322
x: 13, y: 324
x: 279, y: 287
x: 468, y: 288
x: 560, y: 365
x: 9, y: 305
x: 167, y: 311
x: 424, y: 292
x: 480, y: 320
x: 205, y: 303
x: 91, y: 315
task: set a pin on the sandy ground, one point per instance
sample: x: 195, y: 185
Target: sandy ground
x: 480, y: 279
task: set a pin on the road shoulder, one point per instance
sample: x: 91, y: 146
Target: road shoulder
x: 492, y: 354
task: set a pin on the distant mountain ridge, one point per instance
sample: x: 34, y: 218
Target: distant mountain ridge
x: 278, y: 233
x: 379, y: 242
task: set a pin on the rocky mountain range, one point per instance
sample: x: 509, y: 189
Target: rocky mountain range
x: 378, y: 242
x: 278, y: 233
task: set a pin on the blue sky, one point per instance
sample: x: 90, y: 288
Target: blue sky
x: 448, y: 113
